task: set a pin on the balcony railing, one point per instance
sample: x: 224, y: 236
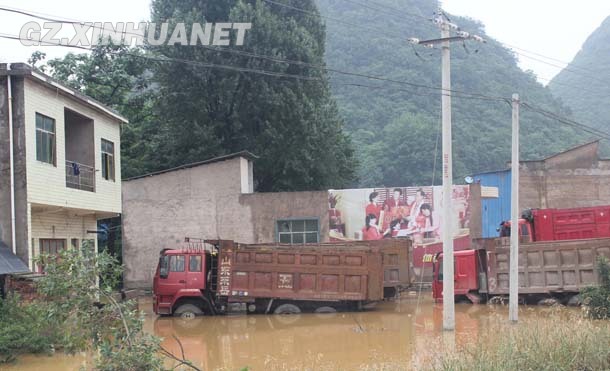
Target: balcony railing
x: 80, y: 176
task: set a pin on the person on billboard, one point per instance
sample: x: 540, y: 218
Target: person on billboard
x: 370, y: 231
x: 427, y: 224
x: 394, y: 229
x: 373, y: 207
x: 394, y: 201
x: 420, y: 199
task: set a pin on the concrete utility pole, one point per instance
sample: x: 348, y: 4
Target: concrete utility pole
x: 448, y: 287
x: 513, y: 305
x: 447, y: 233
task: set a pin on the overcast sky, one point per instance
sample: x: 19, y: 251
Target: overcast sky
x: 552, y: 28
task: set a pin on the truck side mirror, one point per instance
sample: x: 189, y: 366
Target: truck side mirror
x: 163, y: 267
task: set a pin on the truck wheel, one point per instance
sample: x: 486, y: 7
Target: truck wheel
x: 188, y: 311
x: 325, y: 309
x: 287, y: 309
x: 574, y: 301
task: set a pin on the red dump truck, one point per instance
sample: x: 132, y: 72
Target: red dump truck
x: 219, y: 276
x: 562, y: 224
x: 556, y: 269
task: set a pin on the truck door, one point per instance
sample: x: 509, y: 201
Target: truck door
x: 195, y: 278
x: 437, y: 280
x: 174, y: 279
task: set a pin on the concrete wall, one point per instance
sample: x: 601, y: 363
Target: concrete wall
x: 267, y: 208
x: 19, y: 151
x: 159, y: 211
x: 205, y: 202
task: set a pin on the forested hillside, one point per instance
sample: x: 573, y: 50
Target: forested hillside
x: 584, y: 85
x: 394, y: 126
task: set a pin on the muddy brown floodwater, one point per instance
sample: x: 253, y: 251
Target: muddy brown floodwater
x: 398, y: 335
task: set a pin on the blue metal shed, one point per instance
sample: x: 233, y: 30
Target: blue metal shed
x: 495, y: 210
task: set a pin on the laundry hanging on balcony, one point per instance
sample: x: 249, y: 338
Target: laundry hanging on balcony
x: 75, y: 169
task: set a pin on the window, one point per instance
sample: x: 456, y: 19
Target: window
x: 298, y: 231
x: 107, y: 160
x: 195, y: 263
x: 50, y: 248
x: 176, y: 263
x: 45, y: 139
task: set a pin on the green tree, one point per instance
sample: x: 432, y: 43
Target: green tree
x: 292, y: 124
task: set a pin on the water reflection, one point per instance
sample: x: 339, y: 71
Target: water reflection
x: 397, y: 335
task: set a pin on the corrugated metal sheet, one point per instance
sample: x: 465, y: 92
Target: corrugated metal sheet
x: 495, y: 210
x: 9, y: 263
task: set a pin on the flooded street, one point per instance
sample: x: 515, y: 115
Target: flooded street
x: 397, y: 335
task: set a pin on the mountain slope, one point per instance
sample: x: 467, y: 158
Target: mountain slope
x: 395, y: 127
x: 584, y: 85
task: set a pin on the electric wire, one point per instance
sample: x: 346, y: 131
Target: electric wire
x: 458, y: 94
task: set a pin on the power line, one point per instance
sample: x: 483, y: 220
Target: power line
x: 460, y: 94
x: 568, y: 67
x: 550, y: 58
x: 253, y: 55
x: 567, y: 121
x: 193, y: 63
x: 562, y: 68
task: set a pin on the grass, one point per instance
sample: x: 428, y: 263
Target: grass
x: 558, y: 342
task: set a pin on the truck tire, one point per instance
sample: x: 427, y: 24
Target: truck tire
x: 287, y: 309
x: 574, y: 301
x: 325, y: 309
x: 188, y: 311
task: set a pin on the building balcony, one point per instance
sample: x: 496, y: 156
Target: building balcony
x: 80, y: 176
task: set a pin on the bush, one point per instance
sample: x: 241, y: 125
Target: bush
x: 596, y: 300
x: 25, y: 329
x: 76, y: 311
x: 560, y: 343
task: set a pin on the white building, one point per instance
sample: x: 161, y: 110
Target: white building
x: 65, y: 172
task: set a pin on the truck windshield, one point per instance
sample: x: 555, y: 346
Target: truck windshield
x: 524, y: 230
x: 163, y: 266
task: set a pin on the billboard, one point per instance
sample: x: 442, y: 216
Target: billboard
x: 400, y: 212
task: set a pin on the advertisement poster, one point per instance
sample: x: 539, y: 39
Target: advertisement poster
x: 400, y: 212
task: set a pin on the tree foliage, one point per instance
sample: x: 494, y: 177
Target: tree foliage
x: 76, y: 311
x: 292, y: 124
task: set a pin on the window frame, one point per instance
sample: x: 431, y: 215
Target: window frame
x: 108, y: 161
x: 199, y: 260
x: 49, y: 241
x: 279, y: 233
x: 44, y: 132
x: 173, y: 263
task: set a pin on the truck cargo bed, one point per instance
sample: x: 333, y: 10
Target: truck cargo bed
x: 318, y: 272
x: 544, y: 267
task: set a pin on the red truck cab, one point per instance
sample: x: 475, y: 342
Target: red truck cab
x: 180, y: 275
x: 466, y: 275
